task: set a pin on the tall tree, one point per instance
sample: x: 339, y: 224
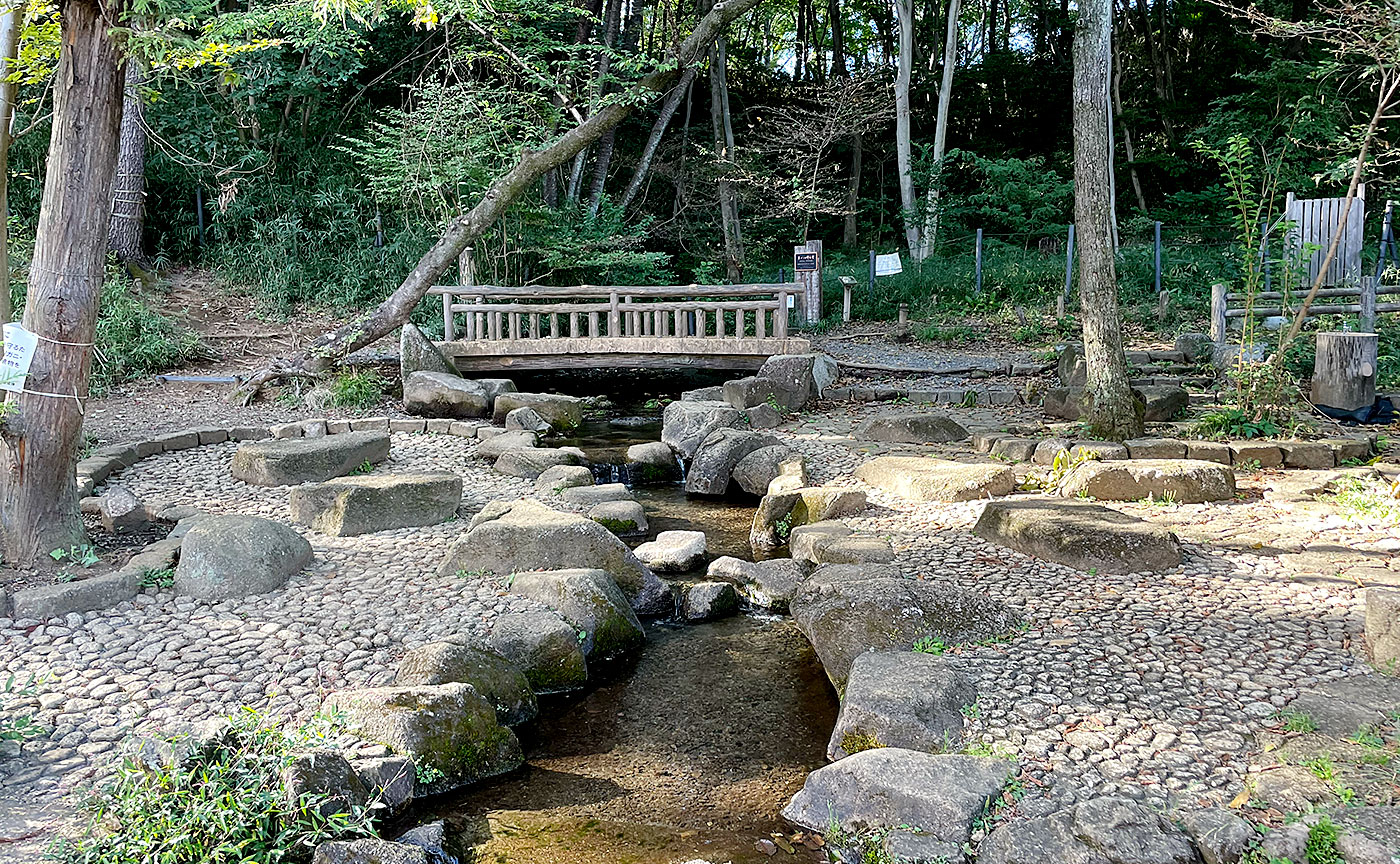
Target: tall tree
x: 11, y: 21
x: 40, y: 435
x: 1111, y: 410
x: 129, y: 185
x: 940, y: 132
x: 903, y: 148
x: 658, y: 129
x: 723, y: 124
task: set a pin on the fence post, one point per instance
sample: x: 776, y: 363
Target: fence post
x: 1219, y: 293
x: 872, y: 275
x: 1366, y: 317
x: 199, y: 211
x: 810, y: 278
x: 1163, y: 300
x: 977, y: 289
x: 1069, y: 274
x: 847, y: 284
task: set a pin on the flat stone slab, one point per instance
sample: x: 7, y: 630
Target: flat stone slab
x: 1079, y: 534
x: 1184, y: 481
x: 915, y: 427
x: 346, y: 506
x: 673, y: 551
x: 290, y: 461
x: 905, y: 699
x: 561, y: 412
x: 917, y: 478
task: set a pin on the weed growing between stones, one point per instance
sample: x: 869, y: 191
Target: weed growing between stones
x: 857, y: 741
x: 17, y: 726
x: 1367, y: 498
x: 158, y: 579
x: 357, y: 390
x: 1297, y: 721
x: 219, y: 801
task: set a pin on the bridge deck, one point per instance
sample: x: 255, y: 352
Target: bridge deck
x: 621, y: 351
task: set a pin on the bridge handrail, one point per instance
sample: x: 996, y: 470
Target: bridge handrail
x: 605, y: 291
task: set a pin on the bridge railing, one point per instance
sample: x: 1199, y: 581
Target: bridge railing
x: 499, y: 313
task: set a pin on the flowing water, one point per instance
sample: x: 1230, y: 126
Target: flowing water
x: 687, y: 752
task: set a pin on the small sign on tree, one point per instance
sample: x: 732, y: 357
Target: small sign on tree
x: 19, y: 353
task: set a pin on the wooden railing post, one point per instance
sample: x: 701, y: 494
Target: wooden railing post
x: 614, y: 317
x: 448, y: 330
x: 1366, y: 318
x: 1219, y: 292
x: 780, y: 319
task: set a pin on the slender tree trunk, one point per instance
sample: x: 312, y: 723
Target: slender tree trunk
x: 330, y: 348
x: 129, y: 186
x: 724, y: 155
x: 940, y: 132
x: 850, y: 229
x: 609, y: 139
x: 39, y: 442
x: 903, y: 151
x: 658, y: 130
x: 1111, y: 410
x: 11, y: 21
x: 1155, y: 54
x: 1127, y: 133
x: 838, y: 40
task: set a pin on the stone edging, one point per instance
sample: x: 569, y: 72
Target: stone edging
x: 946, y: 396
x: 1322, y: 454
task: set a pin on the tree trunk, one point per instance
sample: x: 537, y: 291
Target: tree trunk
x: 1110, y: 410
x: 11, y: 21
x: 330, y: 348
x: 940, y: 132
x: 724, y: 155
x: 838, y: 40
x: 1127, y: 133
x: 903, y: 154
x: 129, y: 185
x: 850, y: 229
x: 609, y: 139
x: 658, y: 130
x: 38, y: 499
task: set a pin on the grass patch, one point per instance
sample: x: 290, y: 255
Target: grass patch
x: 1296, y: 721
x: 363, y: 389
x: 1367, y: 498
x: 133, y: 339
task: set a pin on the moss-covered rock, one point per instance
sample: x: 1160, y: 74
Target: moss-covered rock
x: 590, y: 602
x: 494, y: 677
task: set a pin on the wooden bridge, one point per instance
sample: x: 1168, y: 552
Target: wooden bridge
x: 595, y: 326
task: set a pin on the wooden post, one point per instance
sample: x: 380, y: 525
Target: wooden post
x: 614, y: 317
x: 1366, y: 317
x: 1069, y: 272
x: 1219, y: 291
x: 903, y: 314
x: 807, y: 272
x: 977, y: 257
x: 780, y: 318
x: 1344, y: 374
x: 848, y: 283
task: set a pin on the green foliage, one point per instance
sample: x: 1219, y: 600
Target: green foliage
x: 224, y: 804
x: 1297, y: 721
x: 17, y: 725
x: 1002, y: 196
x: 1225, y: 423
x: 857, y: 741
x: 133, y: 339
x: 929, y: 645
x: 158, y: 579
x: 363, y: 389
x: 1321, y: 847
x: 1368, y: 498
x: 83, y: 555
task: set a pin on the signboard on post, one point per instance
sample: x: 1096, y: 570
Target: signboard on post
x: 888, y: 265
x: 807, y: 272
x: 19, y: 353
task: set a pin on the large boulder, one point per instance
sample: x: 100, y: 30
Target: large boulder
x: 810, y: 375
x: 531, y: 462
x: 444, y: 394
x: 756, y: 471
x: 652, y: 462
x: 1064, y: 403
x: 561, y: 412
x: 763, y: 584
x: 289, y: 461
x: 371, y: 851
x: 887, y: 787
x: 845, y: 610
x: 544, y: 647
x: 590, y: 602
x: 706, y: 601
x: 673, y: 551
x: 1097, y: 831
x: 1184, y: 481
x: 329, y: 777
x: 917, y: 478
x: 345, y: 506
x: 512, y: 537
x: 806, y: 542
x: 418, y: 354
x: 907, y: 699
x: 527, y: 419
x: 1161, y: 403
x: 448, y: 730
x: 754, y: 390
x: 226, y: 557
x: 493, y: 676
x: 518, y: 439
x: 1079, y: 534
x: 712, y: 468
x: 914, y: 427
x: 685, y: 425
x: 1070, y: 366
x: 1219, y: 835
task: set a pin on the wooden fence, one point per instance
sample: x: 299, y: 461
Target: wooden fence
x: 1360, y: 299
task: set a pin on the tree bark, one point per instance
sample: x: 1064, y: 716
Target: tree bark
x: 328, y: 349
x: 129, y: 185
x: 850, y: 229
x: 658, y: 130
x: 11, y: 21
x: 1127, y: 133
x: 838, y: 40
x: 609, y: 139
x: 724, y: 155
x: 940, y: 132
x: 39, y: 441
x: 1111, y: 411
x: 903, y: 152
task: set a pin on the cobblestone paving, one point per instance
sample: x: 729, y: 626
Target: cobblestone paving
x: 1144, y: 685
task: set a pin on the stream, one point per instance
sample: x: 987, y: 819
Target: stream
x: 689, y: 750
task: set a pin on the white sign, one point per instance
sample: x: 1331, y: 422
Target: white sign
x: 888, y: 265
x: 19, y: 353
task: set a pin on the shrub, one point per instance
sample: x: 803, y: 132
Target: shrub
x: 362, y: 389
x: 223, y: 804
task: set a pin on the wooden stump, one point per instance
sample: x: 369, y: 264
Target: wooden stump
x: 1344, y: 374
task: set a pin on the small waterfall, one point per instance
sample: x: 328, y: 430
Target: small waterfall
x: 616, y: 473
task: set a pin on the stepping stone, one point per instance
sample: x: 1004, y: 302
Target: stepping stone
x: 806, y: 541
x: 763, y: 584
x: 889, y: 787
x: 1185, y: 481
x: 502, y: 684
x: 588, y: 495
x: 527, y: 419
x: 1014, y: 449
x: 906, y: 699
x: 346, y: 506
x: 686, y: 424
x: 121, y: 510
x: 1079, y: 534
x: 444, y: 394
x: 854, y: 550
x: 1156, y: 448
x: 555, y: 480
x: 917, y: 478
x: 910, y: 428
x: 707, y: 601
x: 542, y: 646
x: 504, y: 442
x: 673, y: 551
x: 289, y: 461
x: 531, y: 462
x: 227, y: 557
x: 801, y: 507
x: 590, y: 602
x: 620, y: 517
x: 712, y: 468
x: 1107, y: 830
x: 754, y: 390
x: 561, y: 412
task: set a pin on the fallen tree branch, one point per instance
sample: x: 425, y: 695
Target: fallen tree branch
x: 329, y: 349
